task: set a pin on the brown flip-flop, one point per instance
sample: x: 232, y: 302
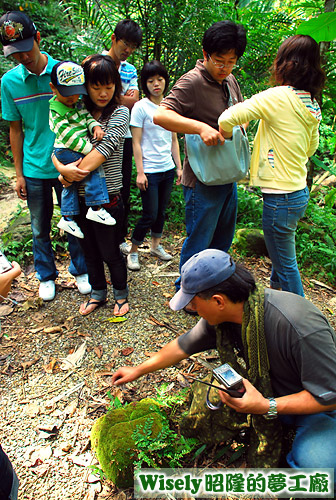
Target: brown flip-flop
x: 92, y: 302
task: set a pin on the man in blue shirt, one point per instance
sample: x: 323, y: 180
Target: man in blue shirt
x: 126, y: 39
x: 25, y: 94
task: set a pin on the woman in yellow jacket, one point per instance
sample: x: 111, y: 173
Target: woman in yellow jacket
x: 287, y: 135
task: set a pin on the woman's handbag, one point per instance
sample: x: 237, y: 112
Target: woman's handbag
x: 220, y: 164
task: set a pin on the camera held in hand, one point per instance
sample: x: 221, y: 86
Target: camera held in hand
x: 230, y: 379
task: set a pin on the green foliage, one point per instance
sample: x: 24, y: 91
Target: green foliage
x: 115, y: 402
x: 98, y: 471
x: 316, y: 241
x: 17, y: 241
x: 250, y: 207
x: 20, y: 251
x: 167, y: 449
x: 322, y: 28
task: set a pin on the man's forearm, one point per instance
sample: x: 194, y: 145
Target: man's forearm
x: 170, y: 120
x: 16, y: 137
x: 169, y: 355
x: 301, y: 403
x: 130, y: 98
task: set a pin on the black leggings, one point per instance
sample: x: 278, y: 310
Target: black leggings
x: 101, y: 244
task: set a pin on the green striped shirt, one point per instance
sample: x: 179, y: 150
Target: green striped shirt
x: 71, y: 126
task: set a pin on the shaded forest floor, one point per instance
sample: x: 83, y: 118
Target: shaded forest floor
x: 48, y: 405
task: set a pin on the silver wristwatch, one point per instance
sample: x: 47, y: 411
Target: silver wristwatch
x: 272, y: 411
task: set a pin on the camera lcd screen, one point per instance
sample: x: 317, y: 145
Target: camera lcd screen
x: 230, y: 377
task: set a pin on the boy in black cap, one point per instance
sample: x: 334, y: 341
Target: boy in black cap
x: 25, y: 94
x: 71, y: 124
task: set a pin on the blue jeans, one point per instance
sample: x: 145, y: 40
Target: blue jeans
x: 281, y: 214
x: 94, y: 185
x: 154, y: 203
x: 40, y: 203
x: 211, y: 213
x: 314, y: 444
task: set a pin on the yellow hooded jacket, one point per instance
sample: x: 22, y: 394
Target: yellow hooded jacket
x: 287, y: 127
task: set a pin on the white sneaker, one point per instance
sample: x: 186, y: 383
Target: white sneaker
x: 47, y: 290
x: 161, y: 253
x: 133, y: 261
x: 83, y: 284
x: 70, y: 226
x: 125, y: 248
x: 100, y: 216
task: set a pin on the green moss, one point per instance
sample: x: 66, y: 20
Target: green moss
x: 250, y: 242
x: 111, y: 438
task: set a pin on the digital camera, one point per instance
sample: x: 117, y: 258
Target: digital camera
x: 230, y: 379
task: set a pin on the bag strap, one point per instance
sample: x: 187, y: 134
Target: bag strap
x: 230, y: 100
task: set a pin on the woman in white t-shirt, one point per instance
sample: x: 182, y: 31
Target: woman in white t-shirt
x: 154, y: 150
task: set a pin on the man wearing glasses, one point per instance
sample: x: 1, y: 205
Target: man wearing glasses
x: 126, y: 39
x: 193, y: 107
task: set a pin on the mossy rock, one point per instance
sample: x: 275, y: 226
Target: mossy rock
x: 19, y: 228
x: 111, y: 438
x: 251, y: 242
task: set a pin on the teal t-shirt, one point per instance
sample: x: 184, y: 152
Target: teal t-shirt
x: 25, y: 96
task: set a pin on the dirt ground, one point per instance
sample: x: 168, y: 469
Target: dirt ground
x: 56, y: 366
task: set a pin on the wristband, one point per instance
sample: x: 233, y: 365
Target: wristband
x: 272, y: 411
x: 66, y: 180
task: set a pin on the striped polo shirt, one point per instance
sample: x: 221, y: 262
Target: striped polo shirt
x: 25, y: 96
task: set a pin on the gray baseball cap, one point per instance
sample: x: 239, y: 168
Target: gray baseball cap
x: 201, y: 272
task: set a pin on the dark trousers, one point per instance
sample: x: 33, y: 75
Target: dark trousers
x: 101, y: 244
x: 9, y: 482
x: 154, y: 203
x: 126, y: 189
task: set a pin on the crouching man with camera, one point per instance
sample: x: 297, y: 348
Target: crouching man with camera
x: 279, y: 342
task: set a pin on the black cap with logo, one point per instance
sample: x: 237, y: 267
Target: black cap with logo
x: 17, y: 32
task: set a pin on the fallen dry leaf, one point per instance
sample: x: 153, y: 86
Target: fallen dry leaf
x: 127, y: 351
x: 53, y: 329
x: 6, y: 310
x: 71, y: 408
x: 74, y: 360
x: 27, y: 364
x: 108, y: 367
x: 37, y: 456
x: 82, y: 460
x: 151, y: 322
x: 49, y: 368
x: 167, y: 295
x: 33, y: 303
x: 36, y: 330
x: 32, y: 410
x: 104, y: 374
x: 98, y: 351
